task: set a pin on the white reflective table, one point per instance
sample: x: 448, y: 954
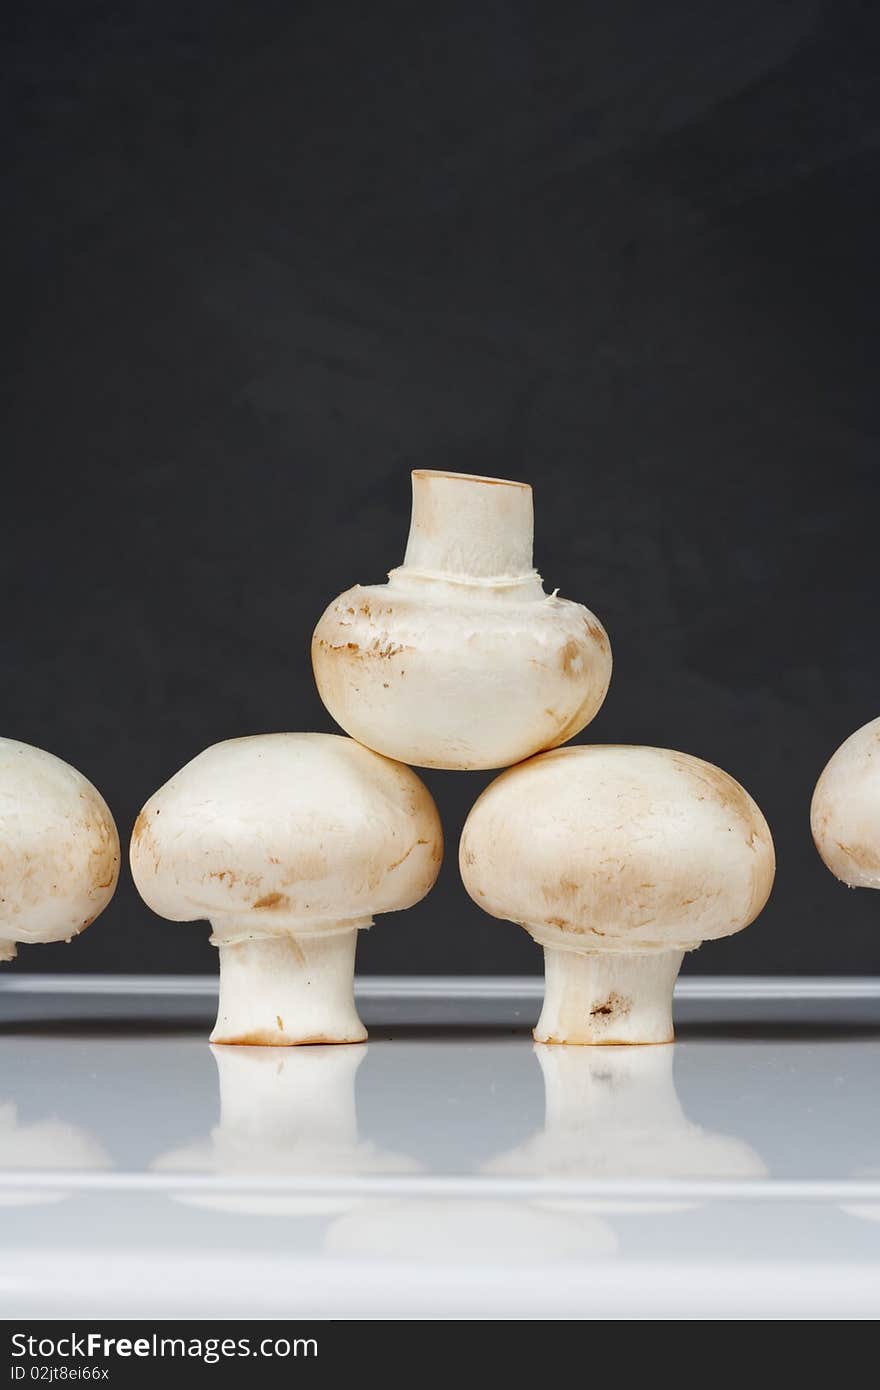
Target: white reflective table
x: 449, y: 1168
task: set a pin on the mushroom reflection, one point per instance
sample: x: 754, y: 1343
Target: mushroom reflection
x: 450, y: 1231
x: 44, y: 1147
x: 613, y: 1113
x: 283, y: 1113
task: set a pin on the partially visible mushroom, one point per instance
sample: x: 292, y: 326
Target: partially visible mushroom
x: 617, y: 860
x: 288, y: 844
x: 461, y: 660
x: 845, y: 813
x: 59, y: 850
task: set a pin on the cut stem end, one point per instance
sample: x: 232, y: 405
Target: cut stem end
x: 470, y: 527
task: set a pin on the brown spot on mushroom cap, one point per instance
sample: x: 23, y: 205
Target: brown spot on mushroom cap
x: 140, y: 829
x: 228, y: 876
x: 381, y: 647
x: 862, y: 856
x: 597, y: 633
x: 571, y: 657
x: 143, y: 844
x: 599, y: 670
x: 104, y: 858
x: 406, y: 854
x: 272, y: 902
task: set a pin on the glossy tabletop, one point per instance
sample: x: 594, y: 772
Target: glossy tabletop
x: 448, y: 1168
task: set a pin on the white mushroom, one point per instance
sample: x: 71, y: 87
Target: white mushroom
x: 59, y: 850
x: 287, y: 844
x: 617, y: 860
x: 845, y: 814
x: 461, y: 660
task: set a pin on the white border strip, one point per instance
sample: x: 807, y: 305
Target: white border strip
x: 623, y: 1190
x: 453, y: 987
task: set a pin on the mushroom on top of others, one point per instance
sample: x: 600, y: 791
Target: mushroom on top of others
x: 462, y: 660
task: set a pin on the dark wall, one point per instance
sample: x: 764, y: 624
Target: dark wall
x: 263, y: 259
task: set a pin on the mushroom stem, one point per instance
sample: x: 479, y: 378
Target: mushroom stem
x: 469, y: 527
x: 8, y: 950
x: 602, y: 998
x: 280, y: 991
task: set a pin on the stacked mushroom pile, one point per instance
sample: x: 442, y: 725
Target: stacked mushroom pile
x: 617, y: 860
x: 291, y: 843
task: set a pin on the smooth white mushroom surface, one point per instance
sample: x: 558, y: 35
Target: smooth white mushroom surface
x: 462, y: 660
x: 845, y: 813
x: 287, y: 844
x: 59, y: 850
x: 617, y: 860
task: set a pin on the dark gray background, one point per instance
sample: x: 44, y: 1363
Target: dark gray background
x: 263, y: 259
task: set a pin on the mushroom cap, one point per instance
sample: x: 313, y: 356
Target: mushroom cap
x: 612, y: 848
x: 457, y: 679
x: 59, y: 850
x: 286, y: 832
x: 461, y: 660
x: 845, y: 812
